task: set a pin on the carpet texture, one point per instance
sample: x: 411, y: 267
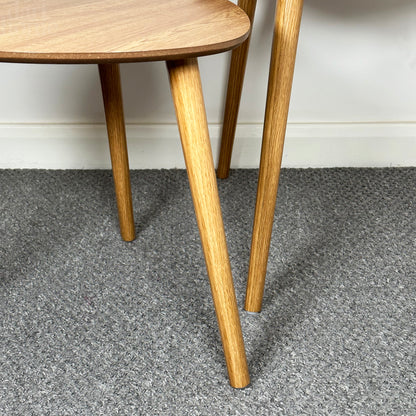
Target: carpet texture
x: 91, y: 325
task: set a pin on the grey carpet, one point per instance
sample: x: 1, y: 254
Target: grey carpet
x: 91, y: 325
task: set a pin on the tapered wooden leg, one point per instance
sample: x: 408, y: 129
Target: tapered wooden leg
x: 232, y: 103
x: 286, y: 32
x: 111, y: 89
x: 190, y: 110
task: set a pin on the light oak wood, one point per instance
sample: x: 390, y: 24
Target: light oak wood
x: 235, y: 87
x: 113, y: 105
x: 119, y: 31
x: 190, y: 110
x: 108, y: 32
x: 285, y: 40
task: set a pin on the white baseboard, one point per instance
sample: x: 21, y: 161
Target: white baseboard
x: 84, y: 146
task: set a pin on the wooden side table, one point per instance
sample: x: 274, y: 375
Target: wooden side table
x: 106, y: 33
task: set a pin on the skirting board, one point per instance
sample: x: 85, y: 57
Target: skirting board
x: 157, y: 146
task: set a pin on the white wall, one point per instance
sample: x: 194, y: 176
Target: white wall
x: 353, y: 101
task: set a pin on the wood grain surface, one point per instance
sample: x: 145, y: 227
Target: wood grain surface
x: 190, y: 110
x: 234, y: 90
x: 285, y: 42
x: 113, y: 105
x: 67, y: 31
